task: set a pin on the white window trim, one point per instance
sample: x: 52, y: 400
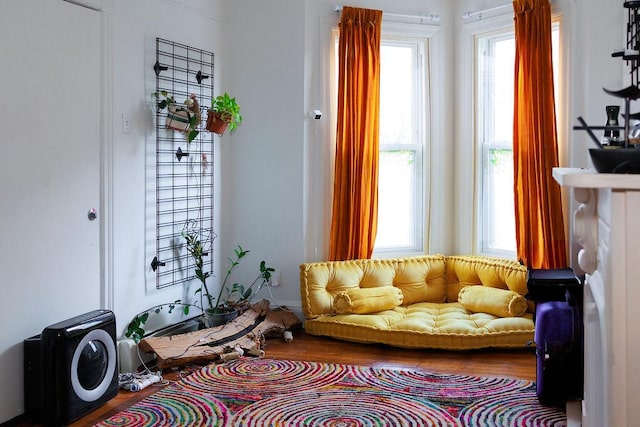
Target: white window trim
x: 419, y: 147
x: 435, y: 151
x: 465, y: 161
x: 482, y: 153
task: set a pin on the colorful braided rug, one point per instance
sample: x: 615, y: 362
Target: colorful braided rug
x: 265, y: 392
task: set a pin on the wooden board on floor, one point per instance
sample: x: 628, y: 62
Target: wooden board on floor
x: 246, y: 331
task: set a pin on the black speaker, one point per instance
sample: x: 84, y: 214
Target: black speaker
x: 71, y: 368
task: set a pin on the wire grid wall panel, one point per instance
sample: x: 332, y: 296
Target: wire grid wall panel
x: 184, y: 171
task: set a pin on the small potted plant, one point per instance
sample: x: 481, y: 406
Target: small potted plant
x: 181, y: 118
x: 224, y: 113
x: 232, y: 298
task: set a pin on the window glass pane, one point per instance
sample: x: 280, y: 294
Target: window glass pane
x: 400, y: 200
x: 497, y: 211
x: 504, y: 57
x: 396, y: 194
x: 396, y: 93
x: 499, y: 208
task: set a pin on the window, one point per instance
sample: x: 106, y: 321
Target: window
x: 495, y: 53
x: 402, y: 139
x: 403, y: 124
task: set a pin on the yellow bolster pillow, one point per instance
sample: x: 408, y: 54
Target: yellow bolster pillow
x: 499, y: 302
x: 367, y: 300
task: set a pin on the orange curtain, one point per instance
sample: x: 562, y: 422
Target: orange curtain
x: 355, y: 189
x: 538, y: 205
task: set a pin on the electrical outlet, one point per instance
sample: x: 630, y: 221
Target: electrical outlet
x: 275, y: 279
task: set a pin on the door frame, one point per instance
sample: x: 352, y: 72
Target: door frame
x: 107, y: 288
x: 106, y: 164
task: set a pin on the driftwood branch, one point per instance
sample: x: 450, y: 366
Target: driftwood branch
x: 247, y: 331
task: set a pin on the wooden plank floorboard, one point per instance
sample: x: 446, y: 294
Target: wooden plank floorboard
x: 510, y: 363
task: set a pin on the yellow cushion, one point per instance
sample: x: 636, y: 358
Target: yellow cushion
x: 487, y: 271
x: 421, y: 279
x: 367, y: 300
x: 499, y: 302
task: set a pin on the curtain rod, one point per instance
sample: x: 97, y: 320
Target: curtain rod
x: 478, y: 13
x: 431, y: 17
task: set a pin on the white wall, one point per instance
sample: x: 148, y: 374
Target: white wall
x: 136, y: 25
x: 130, y: 30
x: 274, y: 174
x: 262, y: 161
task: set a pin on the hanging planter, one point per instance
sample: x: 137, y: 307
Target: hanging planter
x: 178, y: 118
x: 215, y: 123
x: 224, y: 112
x: 183, y: 117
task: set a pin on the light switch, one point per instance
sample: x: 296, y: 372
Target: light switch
x: 125, y: 123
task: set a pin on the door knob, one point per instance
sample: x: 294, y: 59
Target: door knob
x: 92, y: 214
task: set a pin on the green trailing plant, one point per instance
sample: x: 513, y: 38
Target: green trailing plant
x: 231, y: 295
x: 228, y: 109
x: 191, y: 107
x: 135, y: 328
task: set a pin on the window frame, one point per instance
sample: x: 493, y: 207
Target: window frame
x: 485, y: 144
x: 421, y: 117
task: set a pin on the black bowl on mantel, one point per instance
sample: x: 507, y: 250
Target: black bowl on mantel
x: 616, y: 160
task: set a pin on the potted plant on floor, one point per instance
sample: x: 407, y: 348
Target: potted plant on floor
x: 232, y: 298
x: 181, y: 118
x: 237, y: 296
x: 224, y: 113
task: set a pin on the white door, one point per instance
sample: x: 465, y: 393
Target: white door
x: 50, y: 140
x: 51, y: 129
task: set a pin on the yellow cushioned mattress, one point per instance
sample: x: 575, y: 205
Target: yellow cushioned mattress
x: 430, y: 315
x: 427, y: 325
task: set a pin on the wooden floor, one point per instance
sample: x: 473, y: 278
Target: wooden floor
x: 513, y: 363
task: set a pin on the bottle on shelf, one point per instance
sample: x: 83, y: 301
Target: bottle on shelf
x: 611, y: 137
